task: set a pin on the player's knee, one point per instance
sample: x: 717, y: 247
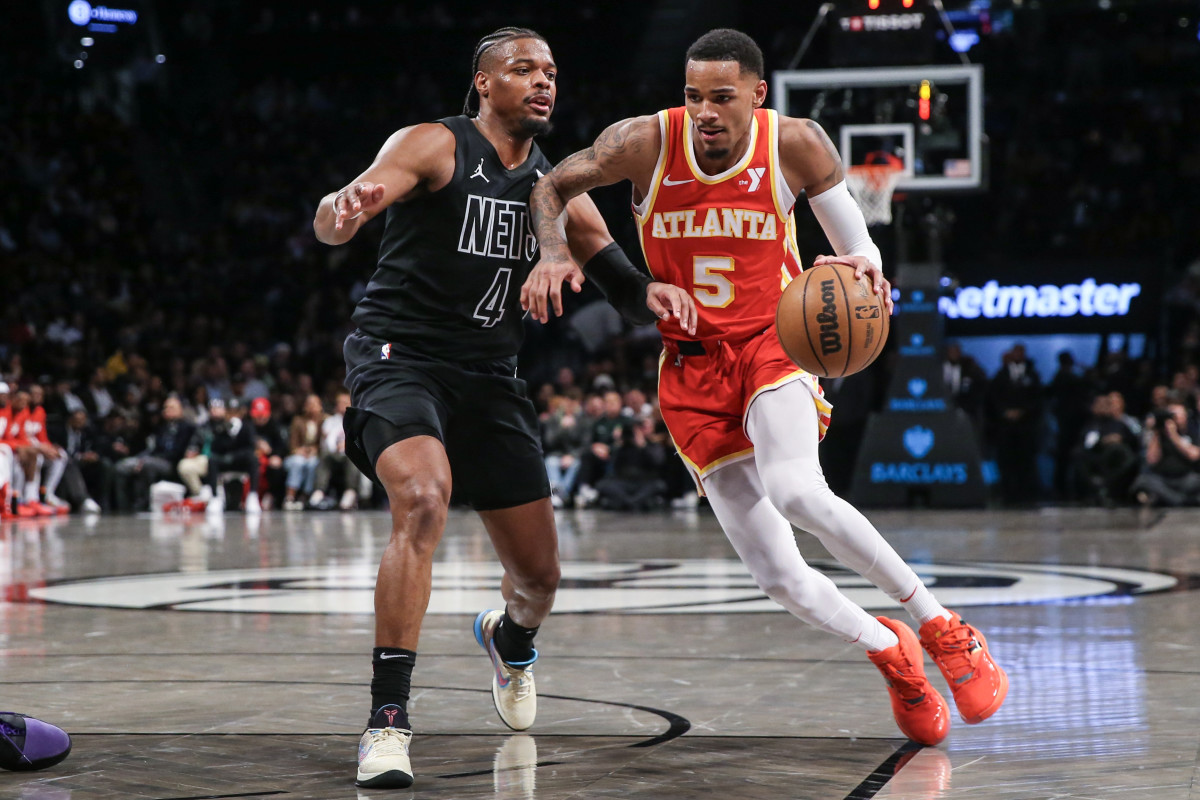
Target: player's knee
x: 419, y: 511
x: 790, y: 591
x: 804, y: 500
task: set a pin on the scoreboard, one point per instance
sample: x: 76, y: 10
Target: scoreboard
x: 875, y: 33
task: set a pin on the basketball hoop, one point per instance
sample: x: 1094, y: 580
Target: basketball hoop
x: 872, y: 185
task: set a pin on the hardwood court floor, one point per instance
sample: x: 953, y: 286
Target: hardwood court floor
x: 230, y: 658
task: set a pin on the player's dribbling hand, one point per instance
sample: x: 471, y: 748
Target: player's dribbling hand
x: 355, y: 199
x: 863, y: 267
x: 546, y: 281
x: 668, y: 301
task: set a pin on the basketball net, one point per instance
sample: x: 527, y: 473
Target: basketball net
x: 872, y: 185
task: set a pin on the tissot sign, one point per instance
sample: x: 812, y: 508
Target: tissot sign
x: 1053, y: 300
x: 100, y: 18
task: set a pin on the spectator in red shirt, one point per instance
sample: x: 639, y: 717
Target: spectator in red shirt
x: 26, y: 432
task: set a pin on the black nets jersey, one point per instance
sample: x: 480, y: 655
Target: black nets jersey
x: 451, y: 263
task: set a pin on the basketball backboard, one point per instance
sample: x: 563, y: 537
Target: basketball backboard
x: 929, y: 117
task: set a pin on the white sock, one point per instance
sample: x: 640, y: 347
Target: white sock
x: 18, y: 482
x: 32, y: 486
x: 922, y: 605
x: 878, y: 637
x: 54, y: 473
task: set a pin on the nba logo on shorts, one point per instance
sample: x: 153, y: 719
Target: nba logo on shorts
x: 385, y: 352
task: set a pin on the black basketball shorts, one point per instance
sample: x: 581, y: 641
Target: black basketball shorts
x: 485, y: 421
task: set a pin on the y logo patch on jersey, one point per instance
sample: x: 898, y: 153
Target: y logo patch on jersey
x: 756, y: 176
x: 478, y: 173
x: 385, y: 352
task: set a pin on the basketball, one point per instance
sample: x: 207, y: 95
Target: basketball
x: 831, y: 324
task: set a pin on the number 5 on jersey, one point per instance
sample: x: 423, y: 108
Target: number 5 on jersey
x: 712, y: 288
x: 491, y: 308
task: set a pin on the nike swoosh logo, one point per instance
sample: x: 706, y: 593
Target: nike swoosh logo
x: 668, y: 182
x: 392, y: 655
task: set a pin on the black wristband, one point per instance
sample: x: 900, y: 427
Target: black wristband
x: 623, y: 284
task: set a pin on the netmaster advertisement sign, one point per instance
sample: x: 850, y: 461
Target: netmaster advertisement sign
x: 1058, y: 298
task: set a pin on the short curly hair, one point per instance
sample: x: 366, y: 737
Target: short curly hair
x: 726, y: 44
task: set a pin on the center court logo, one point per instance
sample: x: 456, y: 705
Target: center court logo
x: 654, y: 586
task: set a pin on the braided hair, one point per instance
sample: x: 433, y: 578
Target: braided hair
x: 499, y: 36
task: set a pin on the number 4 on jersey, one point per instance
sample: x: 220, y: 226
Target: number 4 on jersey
x: 491, y: 308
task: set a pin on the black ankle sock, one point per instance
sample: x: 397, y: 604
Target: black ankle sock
x: 390, y: 685
x: 513, y: 643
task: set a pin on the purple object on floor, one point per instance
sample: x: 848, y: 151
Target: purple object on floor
x: 28, y: 744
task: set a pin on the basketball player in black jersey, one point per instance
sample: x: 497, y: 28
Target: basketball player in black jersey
x: 432, y: 368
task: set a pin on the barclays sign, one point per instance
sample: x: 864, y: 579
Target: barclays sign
x: 918, y: 441
x: 917, y: 401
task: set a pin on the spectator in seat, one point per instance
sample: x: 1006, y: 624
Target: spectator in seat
x: 223, y: 444
x: 164, y: 450
x: 25, y: 436
x: 638, y: 465
x: 95, y: 396
x: 94, y: 472
x: 597, y: 463
x: 1105, y: 458
x: 564, y: 440
x: 113, y: 443
x: 270, y: 447
x: 304, y: 445
x: 1169, y: 475
x: 333, y: 460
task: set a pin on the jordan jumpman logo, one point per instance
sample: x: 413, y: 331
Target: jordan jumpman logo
x: 478, y: 173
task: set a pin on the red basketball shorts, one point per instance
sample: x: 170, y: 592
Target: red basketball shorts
x: 706, y: 388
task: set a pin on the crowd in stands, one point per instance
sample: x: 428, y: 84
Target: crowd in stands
x: 161, y: 289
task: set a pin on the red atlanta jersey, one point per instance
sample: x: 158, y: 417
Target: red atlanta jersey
x: 729, y: 238
x: 15, y: 435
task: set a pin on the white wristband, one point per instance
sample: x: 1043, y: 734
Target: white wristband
x: 844, y: 225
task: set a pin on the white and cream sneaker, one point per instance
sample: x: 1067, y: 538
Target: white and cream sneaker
x: 513, y: 690
x: 383, y: 759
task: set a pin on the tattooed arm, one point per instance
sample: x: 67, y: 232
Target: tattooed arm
x: 808, y: 158
x: 627, y: 150
x: 810, y: 162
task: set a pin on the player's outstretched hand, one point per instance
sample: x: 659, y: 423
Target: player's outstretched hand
x: 546, y: 281
x: 668, y: 301
x: 863, y: 267
x: 355, y: 199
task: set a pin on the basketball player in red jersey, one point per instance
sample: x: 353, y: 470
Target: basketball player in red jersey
x: 714, y: 184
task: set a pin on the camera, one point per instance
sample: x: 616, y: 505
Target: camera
x: 1160, y: 416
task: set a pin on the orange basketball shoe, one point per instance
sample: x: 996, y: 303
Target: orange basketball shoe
x: 961, y: 653
x: 920, y: 710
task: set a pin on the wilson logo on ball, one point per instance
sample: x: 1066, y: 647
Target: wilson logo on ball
x: 831, y: 340
x: 830, y: 322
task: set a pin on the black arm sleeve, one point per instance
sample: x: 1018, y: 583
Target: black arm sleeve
x: 623, y: 284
